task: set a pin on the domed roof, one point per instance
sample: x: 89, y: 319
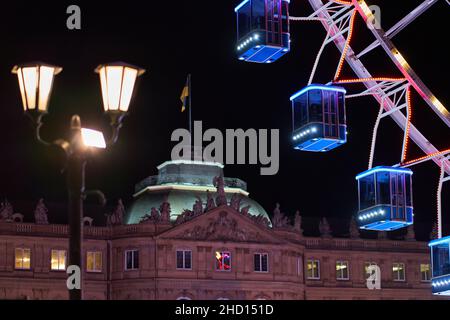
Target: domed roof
x: 183, y: 182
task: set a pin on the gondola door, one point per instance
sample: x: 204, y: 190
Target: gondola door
x: 273, y: 22
x: 330, y: 115
x: 398, y: 204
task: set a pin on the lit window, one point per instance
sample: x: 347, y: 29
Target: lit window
x: 398, y: 271
x: 223, y: 261
x: 184, y: 259
x: 366, y: 268
x: 58, y: 260
x: 425, y: 272
x: 342, y: 270
x: 94, y: 261
x: 313, y: 269
x: 23, y: 260
x: 131, y: 259
x: 261, y: 262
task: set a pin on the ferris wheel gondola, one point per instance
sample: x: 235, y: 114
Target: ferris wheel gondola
x: 318, y: 118
x: 385, y: 199
x: 262, y: 30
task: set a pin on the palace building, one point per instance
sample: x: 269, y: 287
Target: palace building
x: 190, y: 233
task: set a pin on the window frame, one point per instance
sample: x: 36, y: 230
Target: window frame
x: 342, y: 262
x: 216, y: 262
x: 59, y: 257
x: 134, y: 268
x: 95, y: 260
x: 184, y: 259
x: 22, y: 252
x: 396, y: 278
x: 429, y: 272
x: 318, y: 269
x: 261, y: 254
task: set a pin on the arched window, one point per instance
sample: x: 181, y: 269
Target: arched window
x: 183, y: 298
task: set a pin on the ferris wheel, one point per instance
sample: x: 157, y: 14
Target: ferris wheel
x: 319, y: 110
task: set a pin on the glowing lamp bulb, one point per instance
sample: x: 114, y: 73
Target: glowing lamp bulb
x: 218, y: 255
x: 93, y: 138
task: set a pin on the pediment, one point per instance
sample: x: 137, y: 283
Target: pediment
x: 222, y: 224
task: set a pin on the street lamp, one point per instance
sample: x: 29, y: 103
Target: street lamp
x: 117, y: 83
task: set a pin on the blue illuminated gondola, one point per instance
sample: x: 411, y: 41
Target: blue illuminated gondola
x: 318, y: 118
x: 385, y: 199
x: 440, y: 265
x: 263, y: 30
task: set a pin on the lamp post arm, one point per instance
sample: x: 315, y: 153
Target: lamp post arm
x: 38, y: 126
x: 116, y: 125
x: 97, y: 193
x: 115, y: 128
x: 36, y: 119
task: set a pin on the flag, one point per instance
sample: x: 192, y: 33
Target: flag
x: 185, y: 95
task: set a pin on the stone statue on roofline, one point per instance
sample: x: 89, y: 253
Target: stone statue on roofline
x: 298, y: 223
x: 40, y: 213
x: 209, y: 201
x: 353, y: 229
x: 324, y: 228
x: 152, y: 217
x: 279, y: 219
x: 221, y: 199
x: 165, y: 210
x: 197, y: 208
x: 6, y: 211
x: 235, y: 202
x: 116, y: 217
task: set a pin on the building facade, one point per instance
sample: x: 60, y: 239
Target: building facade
x: 218, y: 250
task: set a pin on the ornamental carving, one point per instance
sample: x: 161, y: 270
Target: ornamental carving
x: 221, y: 228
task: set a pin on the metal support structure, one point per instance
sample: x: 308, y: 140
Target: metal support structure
x: 439, y: 201
x: 362, y: 72
x: 402, y: 24
x: 76, y: 158
x: 76, y: 164
x: 402, y: 65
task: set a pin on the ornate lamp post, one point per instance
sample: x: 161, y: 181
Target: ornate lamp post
x: 117, y: 83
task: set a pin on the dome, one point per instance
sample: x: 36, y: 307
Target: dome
x: 183, y: 182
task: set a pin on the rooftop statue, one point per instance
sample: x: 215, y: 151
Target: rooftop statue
x: 354, y: 230
x: 324, y: 228
x: 298, y: 223
x: 221, y: 198
x: 6, y: 211
x: 279, y: 219
x: 116, y: 218
x: 209, y: 201
x: 40, y: 213
x: 235, y: 202
x: 165, y: 210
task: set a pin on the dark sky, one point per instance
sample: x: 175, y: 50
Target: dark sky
x: 173, y: 38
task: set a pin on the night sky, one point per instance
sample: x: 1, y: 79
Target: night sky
x: 173, y: 38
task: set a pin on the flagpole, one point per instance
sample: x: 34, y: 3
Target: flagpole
x: 190, y: 104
